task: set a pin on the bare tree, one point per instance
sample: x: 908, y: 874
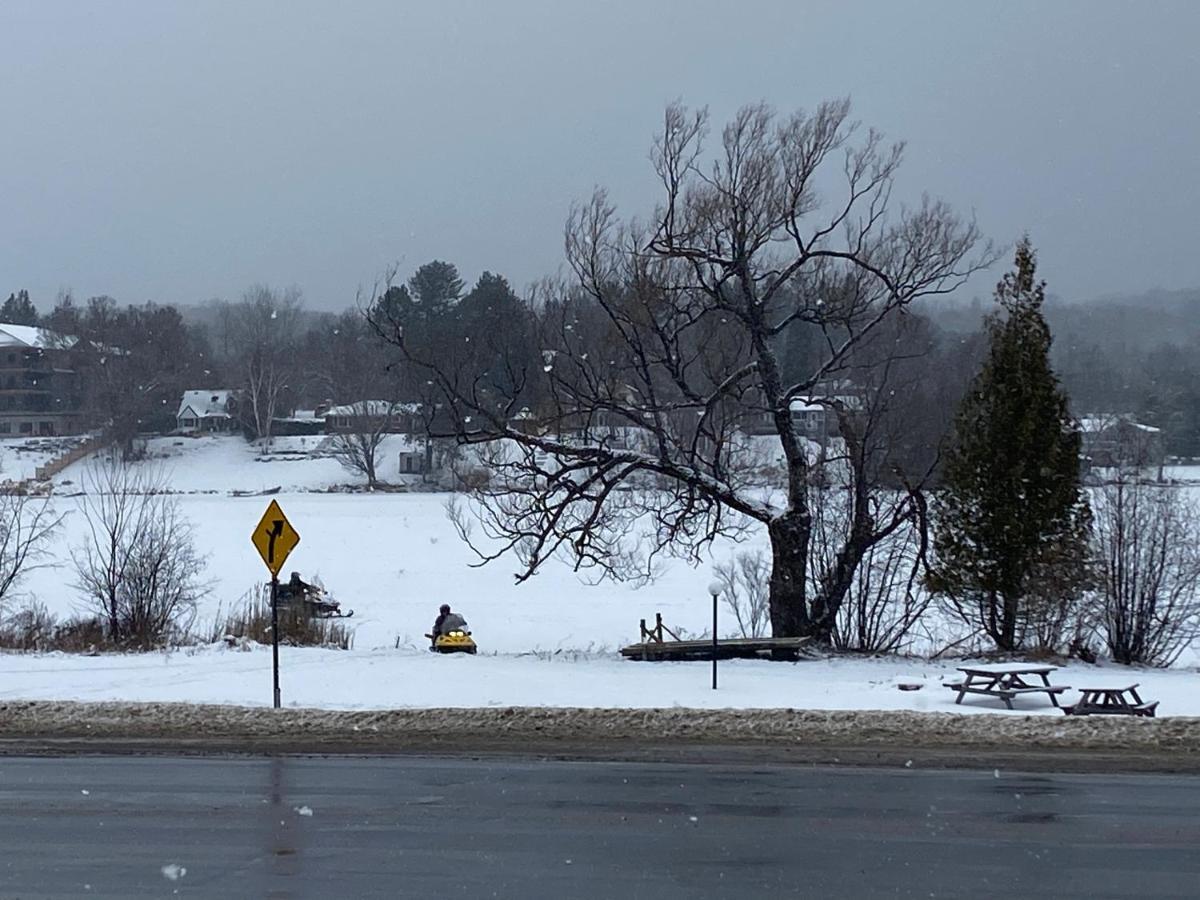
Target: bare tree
x: 684, y: 315
x: 355, y: 371
x: 746, y: 579
x: 137, y: 566
x: 356, y: 446
x: 1147, y: 547
x: 886, y: 599
x: 133, y: 363
x: 26, y: 524
x: 265, y: 343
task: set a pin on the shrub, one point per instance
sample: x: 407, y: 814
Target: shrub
x: 138, y: 567
x: 1147, y: 548
x: 252, y: 621
x: 33, y: 628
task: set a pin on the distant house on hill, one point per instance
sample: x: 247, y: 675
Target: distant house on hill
x: 373, y: 416
x: 814, y: 417
x: 1112, y: 440
x: 207, y: 412
x: 39, y: 387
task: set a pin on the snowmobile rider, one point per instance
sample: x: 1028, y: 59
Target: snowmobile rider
x: 296, y: 588
x: 446, y: 622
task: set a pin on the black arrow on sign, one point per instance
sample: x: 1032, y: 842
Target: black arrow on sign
x: 275, y: 532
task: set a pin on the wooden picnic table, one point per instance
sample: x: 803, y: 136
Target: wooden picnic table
x: 1113, y: 701
x: 1006, y: 681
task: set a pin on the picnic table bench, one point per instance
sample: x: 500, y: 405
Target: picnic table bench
x: 1112, y: 701
x: 1006, y: 681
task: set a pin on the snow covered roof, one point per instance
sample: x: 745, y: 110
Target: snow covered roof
x: 804, y: 406
x: 31, y: 336
x: 814, y: 403
x: 204, y: 404
x: 372, y: 408
x: 1096, y: 423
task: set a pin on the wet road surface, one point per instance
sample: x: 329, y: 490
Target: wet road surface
x: 339, y: 827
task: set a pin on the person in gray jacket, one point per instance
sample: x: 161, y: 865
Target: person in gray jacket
x: 446, y: 622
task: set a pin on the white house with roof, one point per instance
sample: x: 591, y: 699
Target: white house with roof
x: 1117, y: 439
x: 207, y: 412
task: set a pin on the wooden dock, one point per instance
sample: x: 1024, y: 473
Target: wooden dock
x: 654, y: 646
x: 727, y: 648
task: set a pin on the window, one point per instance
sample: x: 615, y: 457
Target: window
x: 26, y: 428
x: 5, y: 427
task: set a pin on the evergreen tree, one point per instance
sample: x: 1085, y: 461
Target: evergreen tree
x: 18, y: 310
x: 392, y: 307
x: 1011, y: 529
x: 495, y: 328
x: 436, y: 286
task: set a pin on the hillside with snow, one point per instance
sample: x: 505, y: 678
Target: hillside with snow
x: 393, y: 558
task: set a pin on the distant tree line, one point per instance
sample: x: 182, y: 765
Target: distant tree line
x: 134, y: 362
x: 287, y: 357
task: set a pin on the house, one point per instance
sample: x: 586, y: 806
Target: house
x: 204, y: 412
x: 39, y: 387
x: 812, y: 417
x: 814, y: 421
x: 1111, y: 440
x: 369, y: 415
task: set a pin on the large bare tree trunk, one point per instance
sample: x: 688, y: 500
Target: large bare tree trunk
x: 789, y: 535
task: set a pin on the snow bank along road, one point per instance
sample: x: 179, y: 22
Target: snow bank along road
x: 1092, y: 743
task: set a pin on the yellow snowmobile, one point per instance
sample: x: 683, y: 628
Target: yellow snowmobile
x: 450, y: 633
x: 457, y: 640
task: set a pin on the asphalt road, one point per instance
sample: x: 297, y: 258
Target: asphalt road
x: 341, y: 827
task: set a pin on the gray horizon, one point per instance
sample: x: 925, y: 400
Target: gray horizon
x: 177, y: 152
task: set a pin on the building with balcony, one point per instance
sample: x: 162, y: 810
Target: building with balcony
x: 39, y: 387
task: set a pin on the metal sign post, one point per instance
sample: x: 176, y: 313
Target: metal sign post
x: 275, y: 539
x: 275, y: 635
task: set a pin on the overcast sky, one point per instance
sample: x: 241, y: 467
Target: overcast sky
x: 179, y: 151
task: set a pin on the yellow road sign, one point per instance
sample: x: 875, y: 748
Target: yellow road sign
x: 275, y: 538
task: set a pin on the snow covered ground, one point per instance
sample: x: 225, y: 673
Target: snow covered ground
x: 394, y: 558
x: 385, y: 678
x: 21, y: 457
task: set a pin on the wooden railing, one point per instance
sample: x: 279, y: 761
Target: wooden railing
x: 655, y: 634
x: 56, y: 465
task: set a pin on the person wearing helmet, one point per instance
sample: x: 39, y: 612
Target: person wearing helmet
x: 446, y: 622
x: 294, y: 590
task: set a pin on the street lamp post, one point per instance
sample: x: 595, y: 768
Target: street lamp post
x: 715, y: 589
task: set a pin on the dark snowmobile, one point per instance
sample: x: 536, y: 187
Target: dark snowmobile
x: 312, y: 598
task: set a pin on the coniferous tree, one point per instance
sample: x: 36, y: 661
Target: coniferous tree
x: 496, y: 329
x: 18, y: 309
x: 1012, y: 519
x: 424, y: 312
x: 436, y: 286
